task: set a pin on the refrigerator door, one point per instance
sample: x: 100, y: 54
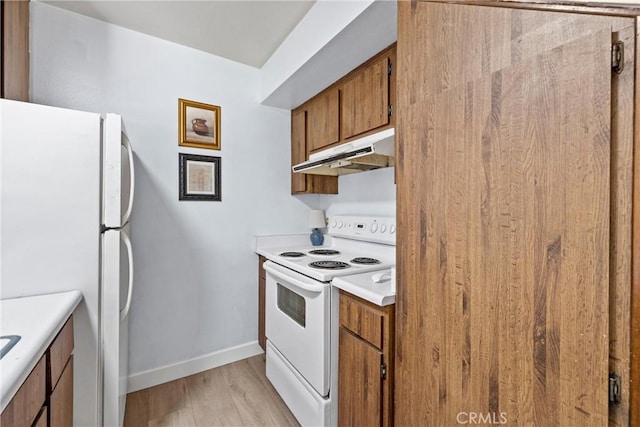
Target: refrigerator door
x: 49, y: 223
x: 118, y: 173
x: 117, y: 282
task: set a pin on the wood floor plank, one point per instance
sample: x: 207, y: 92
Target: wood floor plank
x: 237, y: 394
x: 256, y: 400
x: 183, y: 417
x: 212, y: 402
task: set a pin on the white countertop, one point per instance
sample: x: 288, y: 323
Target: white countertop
x: 37, y: 320
x: 362, y: 285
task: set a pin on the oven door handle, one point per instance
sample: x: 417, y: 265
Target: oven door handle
x: 293, y: 278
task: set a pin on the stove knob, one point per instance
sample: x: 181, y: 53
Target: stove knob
x: 340, y: 224
x: 334, y: 224
x: 374, y: 227
x: 392, y: 229
x: 383, y: 228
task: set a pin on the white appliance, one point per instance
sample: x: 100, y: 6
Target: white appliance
x: 302, y: 311
x: 67, y: 183
x: 362, y: 154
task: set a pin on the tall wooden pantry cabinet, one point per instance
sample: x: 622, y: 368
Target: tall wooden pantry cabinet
x: 518, y: 235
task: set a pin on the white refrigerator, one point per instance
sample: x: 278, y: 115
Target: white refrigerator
x: 66, y: 185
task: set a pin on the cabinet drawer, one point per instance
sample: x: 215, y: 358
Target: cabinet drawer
x: 41, y: 421
x: 25, y: 405
x: 362, y: 320
x: 60, y: 351
x: 62, y: 399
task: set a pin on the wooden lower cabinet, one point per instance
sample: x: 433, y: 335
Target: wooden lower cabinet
x: 41, y: 421
x: 46, y: 396
x: 61, y: 400
x: 25, y: 406
x: 365, y: 365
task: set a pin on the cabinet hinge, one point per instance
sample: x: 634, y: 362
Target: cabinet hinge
x: 390, y: 69
x: 615, y: 388
x: 617, y: 57
x: 390, y: 110
x: 383, y: 371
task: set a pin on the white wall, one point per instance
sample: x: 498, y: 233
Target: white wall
x: 196, y: 274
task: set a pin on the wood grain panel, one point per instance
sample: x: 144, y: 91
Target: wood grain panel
x: 60, y: 351
x: 361, y: 404
x: 323, y: 120
x: 362, y: 320
x: 364, y: 99
x: 635, y: 284
x: 302, y: 183
x: 298, y: 149
x: 622, y: 107
x: 503, y: 205
x: 358, y: 313
x: 320, y: 184
x: 262, y: 340
x: 25, y: 405
x: 61, y: 399
x: 42, y: 420
x: 15, y: 50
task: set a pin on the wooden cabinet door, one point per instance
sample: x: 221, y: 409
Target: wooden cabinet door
x: 298, y: 149
x: 24, y: 407
x: 61, y: 400
x: 303, y: 183
x: 504, y: 215
x: 322, y: 121
x: 14, y: 52
x: 359, y: 382
x: 364, y: 99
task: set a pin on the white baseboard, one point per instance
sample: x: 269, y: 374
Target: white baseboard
x: 183, y: 369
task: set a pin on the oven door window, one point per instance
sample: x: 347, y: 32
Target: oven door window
x: 292, y: 304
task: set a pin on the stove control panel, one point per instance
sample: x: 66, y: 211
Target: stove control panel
x: 367, y: 228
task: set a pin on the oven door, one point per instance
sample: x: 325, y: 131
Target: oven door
x: 298, y: 322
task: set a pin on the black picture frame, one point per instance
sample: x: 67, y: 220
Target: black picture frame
x: 199, y: 177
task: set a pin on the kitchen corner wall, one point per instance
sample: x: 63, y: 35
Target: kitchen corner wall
x: 196, y: 275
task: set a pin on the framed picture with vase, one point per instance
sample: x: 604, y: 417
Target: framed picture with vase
x: 198, y: 124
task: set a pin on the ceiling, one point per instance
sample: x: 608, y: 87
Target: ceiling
x: 241, y: 30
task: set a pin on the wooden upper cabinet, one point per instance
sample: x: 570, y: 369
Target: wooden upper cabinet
x: 323, y: 120
x: 14, y: 54
x: 302, y: 183
x: 355, y: 105
x: 298, y: 149
x: 364, y: 100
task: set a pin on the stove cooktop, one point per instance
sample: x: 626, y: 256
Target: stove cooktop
x: 357, y: 245
x: 325, y: 263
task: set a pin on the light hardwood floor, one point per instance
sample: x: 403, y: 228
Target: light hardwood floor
x: 238, y: 394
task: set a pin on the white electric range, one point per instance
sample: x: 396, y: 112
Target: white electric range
x: 302, y: 309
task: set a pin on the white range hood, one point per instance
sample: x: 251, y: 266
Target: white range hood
x: 370, y: 152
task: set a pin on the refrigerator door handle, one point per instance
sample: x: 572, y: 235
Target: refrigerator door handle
x: 132, y: 178
x: 127, y: 243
